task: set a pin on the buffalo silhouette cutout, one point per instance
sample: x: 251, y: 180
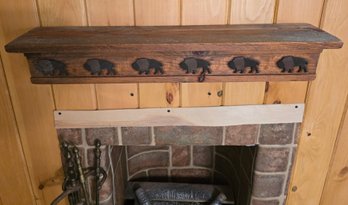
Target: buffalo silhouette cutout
x: 288, y: 63
x: 99, y: 67
x: 240, y: 64
x: 50, y: 67
x: 144, y: 65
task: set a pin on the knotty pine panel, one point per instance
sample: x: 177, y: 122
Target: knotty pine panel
x: 158, y: 12
x: 325, y: 104
x: 33, y: 107
x: 113, y: 13
x: 206, y: 12
x: 68, y: 13
x: 290, y: 12
x: 248, y: 12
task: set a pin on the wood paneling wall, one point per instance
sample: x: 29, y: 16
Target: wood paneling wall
x: 31, y: 140
x: 13, y: 167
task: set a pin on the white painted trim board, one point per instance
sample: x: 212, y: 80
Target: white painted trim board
x: 199, y: 116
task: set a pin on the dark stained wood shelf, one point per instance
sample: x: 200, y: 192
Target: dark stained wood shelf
x: 221, y: 53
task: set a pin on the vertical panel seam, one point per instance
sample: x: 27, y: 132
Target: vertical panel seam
x: 181, y: 11
x: 275, y: 11
x: 323, y: 13
x: 134, y: 14
x: 229, y: 11
x: 86, y: 12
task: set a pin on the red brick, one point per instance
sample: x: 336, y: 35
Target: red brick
x: 241, y: 134
x: 136, y: 135
x: 186, y: 135
x: 273, y: 159
x: 203, y: 156
x: 148, y: 160
x: 275, y: 134
x: 107, y: 136
x: 133, y: 150
x: 181, y: 155
x: 72, y: 136
x: 268, y: 185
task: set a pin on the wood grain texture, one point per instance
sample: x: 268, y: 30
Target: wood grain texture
x: 175, y: 79
x: 268, y: 70
x: 243, y: 93
x: 248, y: 12
x: 202, y: 12
x: 110, y: 96
x: 110, y: 12
x: 252, y: 11
x: 33, y: 105
x: 66, y: 96
x: 113, y: 13
x: 68, y: 13
x: 159, y: 95
x: 300, y: 11
x: 166, y: 95
x: 335, y: 189
x: 158, y: 12
x: 325, y: 105
x: 205, y: 116
x: 13, y: 167
x: 286, y: 92
x: 121, y: 46
x: 204, y: 38
x: 201, y: 94
x: 290, y: 12
x: 62, y: 13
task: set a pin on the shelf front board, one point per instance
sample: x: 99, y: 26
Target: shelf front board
x: 224, y: 53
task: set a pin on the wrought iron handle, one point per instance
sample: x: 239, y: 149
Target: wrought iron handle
x: 81, y: 174
x: 240, y: 64
x: 50, y: 67
x: 193, y: 65
x: 288, y: 63
x: 99, y: 67
x: 97, y: 153
x: 144, y: 65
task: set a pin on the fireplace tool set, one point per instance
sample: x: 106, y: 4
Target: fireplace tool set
x: 75, y: 182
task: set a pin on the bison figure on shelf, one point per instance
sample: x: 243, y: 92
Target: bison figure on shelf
x: 288, y: 63
x: 49, y: 67
x: 192, y: 65
x: 144, y: 65
x: 99, y: 67
x: 239, y: 64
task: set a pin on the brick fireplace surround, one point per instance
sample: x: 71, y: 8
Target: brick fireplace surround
x: 255, y: 160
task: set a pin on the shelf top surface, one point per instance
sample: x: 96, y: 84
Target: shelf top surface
x: 172, y: 38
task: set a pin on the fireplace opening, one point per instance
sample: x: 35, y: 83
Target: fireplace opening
x: 239, y: 164
x: 169, y: 173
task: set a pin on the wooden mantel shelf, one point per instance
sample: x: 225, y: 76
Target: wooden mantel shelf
x: 221, y: 53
